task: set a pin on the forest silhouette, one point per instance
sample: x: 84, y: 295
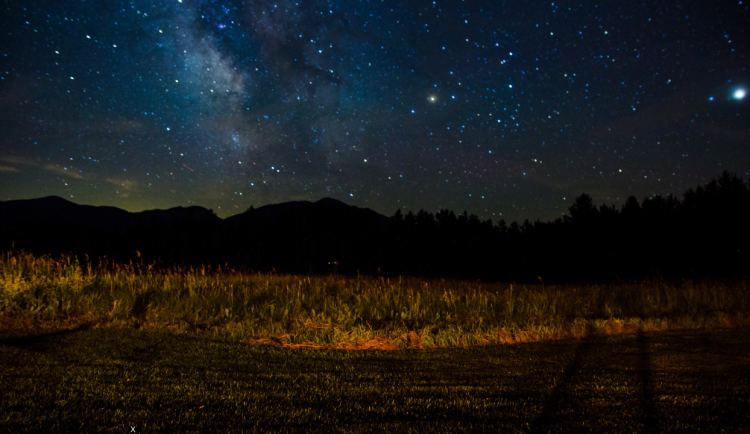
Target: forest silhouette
x: 705, y: 234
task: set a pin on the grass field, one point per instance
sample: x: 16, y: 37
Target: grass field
x: 109, y: 379
x: 354, y: 312
x: 103, y: 347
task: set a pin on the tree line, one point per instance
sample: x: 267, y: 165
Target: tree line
x: 706, y: 234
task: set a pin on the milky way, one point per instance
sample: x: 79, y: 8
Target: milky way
x: 508, y: 110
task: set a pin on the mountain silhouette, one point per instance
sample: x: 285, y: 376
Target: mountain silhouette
x: 704, y: 235
x: 289, y: 236
x: 306, y: 236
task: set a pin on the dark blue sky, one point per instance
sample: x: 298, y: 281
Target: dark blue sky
x: 504, y: 109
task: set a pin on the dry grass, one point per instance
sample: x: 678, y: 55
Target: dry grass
x: 349, y: 313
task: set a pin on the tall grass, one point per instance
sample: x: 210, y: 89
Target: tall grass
x: 341, y: 311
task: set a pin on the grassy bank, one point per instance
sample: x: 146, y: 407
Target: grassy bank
x: 350, y: 312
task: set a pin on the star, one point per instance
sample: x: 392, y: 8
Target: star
x: 316, y: 92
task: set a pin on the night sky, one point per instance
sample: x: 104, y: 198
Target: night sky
x: 505, y: 109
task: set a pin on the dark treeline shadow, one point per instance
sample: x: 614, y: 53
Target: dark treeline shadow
x: 706, y: 234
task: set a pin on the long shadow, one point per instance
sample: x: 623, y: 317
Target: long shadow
x: 649, y: 411
x: 545, y: 422
x: 38, y: 342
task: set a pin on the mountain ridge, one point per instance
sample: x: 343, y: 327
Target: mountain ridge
x: 326, y: 230
x: 704, y: 235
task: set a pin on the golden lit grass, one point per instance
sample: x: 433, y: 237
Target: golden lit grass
x: 349, y: 313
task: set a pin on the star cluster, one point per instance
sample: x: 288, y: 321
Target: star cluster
x: 505, y: 109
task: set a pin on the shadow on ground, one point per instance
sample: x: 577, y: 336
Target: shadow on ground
x: 42, y: 341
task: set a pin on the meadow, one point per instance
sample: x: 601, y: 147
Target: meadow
x: 350, y: 312
x: 109, y: 380
x: 97, y: 346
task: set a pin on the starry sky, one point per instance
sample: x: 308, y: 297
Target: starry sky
x: 505, y: 109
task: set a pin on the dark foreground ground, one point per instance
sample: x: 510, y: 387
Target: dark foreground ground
x: 110, y: 380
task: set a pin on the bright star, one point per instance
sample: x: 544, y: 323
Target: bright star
x: 739, y: 94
